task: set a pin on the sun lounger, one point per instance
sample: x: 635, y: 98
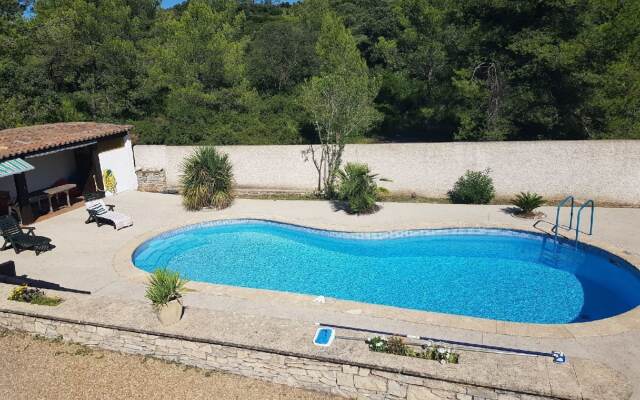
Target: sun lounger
x: 103, y: 214
x: 20, y: 238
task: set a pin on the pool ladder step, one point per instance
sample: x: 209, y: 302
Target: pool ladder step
x: 549, y: 254
x: 587, y: 204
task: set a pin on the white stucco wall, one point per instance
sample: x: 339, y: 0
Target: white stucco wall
x: 603, y: 170
x: 119, y: 159
x: 49, y: 169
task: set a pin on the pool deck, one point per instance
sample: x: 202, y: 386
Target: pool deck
x: 98, y: 260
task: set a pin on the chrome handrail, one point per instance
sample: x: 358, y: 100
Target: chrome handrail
x: 586, y: 204
x: 562, y: 203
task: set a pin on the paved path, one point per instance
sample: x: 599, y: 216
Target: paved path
x: 84, y: 259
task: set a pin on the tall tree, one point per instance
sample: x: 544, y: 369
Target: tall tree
x: 339, y: 100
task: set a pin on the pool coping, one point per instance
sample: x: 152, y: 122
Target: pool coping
x: 630, y: 320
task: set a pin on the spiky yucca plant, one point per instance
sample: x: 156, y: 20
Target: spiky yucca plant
x: 164, y: 286
x: 207, y: 180
x: 528, y: 202
x: 358, y: 188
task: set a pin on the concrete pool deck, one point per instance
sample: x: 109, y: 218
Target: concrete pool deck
x: 94, y: 259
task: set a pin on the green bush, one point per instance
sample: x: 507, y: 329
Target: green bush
x: 528, y: 202
x: 474, y: 187
x: 164, y: 286
x: 207, y: 180
x: 358, y: 187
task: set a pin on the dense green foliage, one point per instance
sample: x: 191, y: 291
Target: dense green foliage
x: 164, y: 286
x: 528, y: 202
x: 358, y: 187
x: 207, y: 180
x: 474, y: 187
x: 231, y: 71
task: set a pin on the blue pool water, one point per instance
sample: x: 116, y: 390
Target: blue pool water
x: 488, y: 273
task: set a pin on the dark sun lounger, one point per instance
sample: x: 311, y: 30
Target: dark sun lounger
x: 22, y: 238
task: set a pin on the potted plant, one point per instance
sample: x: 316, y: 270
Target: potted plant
x: 165, y: 289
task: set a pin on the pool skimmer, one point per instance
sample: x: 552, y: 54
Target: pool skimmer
x: 324, y: 337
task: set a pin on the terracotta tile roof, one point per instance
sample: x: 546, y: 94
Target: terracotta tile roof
x: 29, y: 139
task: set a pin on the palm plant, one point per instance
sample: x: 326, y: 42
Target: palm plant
x: 164, y: 286
x: 358, y: 188
x: 528, y: 202
x: 207, y: 180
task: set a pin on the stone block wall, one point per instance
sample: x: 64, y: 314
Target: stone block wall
x: 152, y: 180
x: 350, y: 381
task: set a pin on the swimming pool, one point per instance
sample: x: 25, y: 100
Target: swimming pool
x: 489, y: 273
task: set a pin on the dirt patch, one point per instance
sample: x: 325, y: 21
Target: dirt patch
x: 35, y: 368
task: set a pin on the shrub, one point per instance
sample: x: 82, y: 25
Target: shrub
x: 397, y: 346
x: 358, y: 187
x: 26, y: 294
x: 207, y: 180
x: 528, y: 202
x: 474, y: 187
x: 164, y: 286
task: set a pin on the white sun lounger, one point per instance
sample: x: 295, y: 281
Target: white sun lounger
x: 102, y: 214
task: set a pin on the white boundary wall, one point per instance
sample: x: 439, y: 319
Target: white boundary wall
x: 120, y: 160
x: 603, y: 170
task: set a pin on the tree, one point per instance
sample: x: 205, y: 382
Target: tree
x: 81, y: 60
x: 513, y: 76
x: 234, y: 71
x: 339, y: 100
x: 281, y: 56
x: 607, y: 52
x: 196, y: 78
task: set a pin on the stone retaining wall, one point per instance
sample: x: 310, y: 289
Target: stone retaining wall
x: 152, y: 180
x: 318, y: 374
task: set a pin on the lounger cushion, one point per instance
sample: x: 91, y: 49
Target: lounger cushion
x: 100, y: 209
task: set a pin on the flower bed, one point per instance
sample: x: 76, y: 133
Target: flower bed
x: 397, y: 346
x: 29, y: 295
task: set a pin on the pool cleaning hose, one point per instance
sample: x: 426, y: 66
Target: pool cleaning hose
x: 557, y: 356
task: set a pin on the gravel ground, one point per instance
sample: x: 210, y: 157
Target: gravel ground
x: 33, y: 368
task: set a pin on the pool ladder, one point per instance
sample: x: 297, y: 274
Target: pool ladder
x: 589, y: 203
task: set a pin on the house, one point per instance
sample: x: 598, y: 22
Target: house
x: 46, y: 165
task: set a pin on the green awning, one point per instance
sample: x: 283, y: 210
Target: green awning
x: 13, y: 167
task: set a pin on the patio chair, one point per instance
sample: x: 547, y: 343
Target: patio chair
x: 22, y: 238
x: 103, y: 214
